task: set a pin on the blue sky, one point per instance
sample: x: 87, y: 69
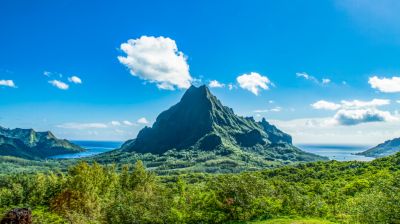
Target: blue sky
x: 313, y: 68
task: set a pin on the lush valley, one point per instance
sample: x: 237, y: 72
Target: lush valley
x: 341, y: 192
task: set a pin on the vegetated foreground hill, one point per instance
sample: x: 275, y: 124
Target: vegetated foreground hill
x: 389, y: 147
x: 29, y: 144
x: 341, y: 192
x: 200, y: 134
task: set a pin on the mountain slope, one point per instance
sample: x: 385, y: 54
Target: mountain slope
x: 200, y: 123
x: 387, y: 148
x: 29, y: 144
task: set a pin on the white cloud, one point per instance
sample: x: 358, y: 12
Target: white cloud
x: 215, y: 84
x: 323, y: 131
x: 157, y: 60
x: 49, y: 74
x: 75, y: 79
x: 345, y: 104
x: 325, y: 105
x: 361, y: 104
x: 356, y: 111
x: 80, y: 126
x: 275, y: 109
x: 115, y: 123
x: 386, y: 85
x: 306, y: 76
x: 326, y: 81
x: 8, y: 83
x: 253, y: 82
x: 358, y: 116
x: 142, y: 120
x: 231, y: 86
x: 128, y: 123
x: 59, y: 84
x: 261, y: 111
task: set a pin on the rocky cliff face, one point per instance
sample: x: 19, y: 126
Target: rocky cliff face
x: 27, y: 143
x: 200, y: 122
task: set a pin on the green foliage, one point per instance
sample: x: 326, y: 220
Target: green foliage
x: 344, y: 192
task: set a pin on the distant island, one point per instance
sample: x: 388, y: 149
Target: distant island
x: 29, y: 144
x: 387, y: 148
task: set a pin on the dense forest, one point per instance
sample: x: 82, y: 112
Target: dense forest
x: 341, y: 192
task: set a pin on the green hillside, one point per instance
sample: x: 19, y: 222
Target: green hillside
x: 389, y: 147
x: 340, y: 192
x: 29, y: 144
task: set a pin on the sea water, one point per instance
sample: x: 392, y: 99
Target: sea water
x: 337, y: 152
x: 334, y: 152
x: 92, y: 148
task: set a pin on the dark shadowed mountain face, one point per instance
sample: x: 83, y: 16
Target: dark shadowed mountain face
x: 389, y: 147
x: 200, y: 122
x: 27, y: 143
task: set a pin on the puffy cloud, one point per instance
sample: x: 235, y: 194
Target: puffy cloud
x: 253, y: 82
x: 81, y: 126
x: 356, y: 111
x: 75, y: 79
x: 8, y: 83
x: 386, y: 85
x: 59, y: 84
x: 345, y: 104
x: 142, y: 120
x: 215, y: 84
x: 325, y: 105
x: 157, y: 60
x: 358, y: 116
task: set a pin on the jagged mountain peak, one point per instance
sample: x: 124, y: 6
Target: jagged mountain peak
x: 200, y: 121
x: 201, y: 91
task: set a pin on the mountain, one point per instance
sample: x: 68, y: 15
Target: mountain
x: 29, y: 144
x: 200, y: 123
x: 389, y: 147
